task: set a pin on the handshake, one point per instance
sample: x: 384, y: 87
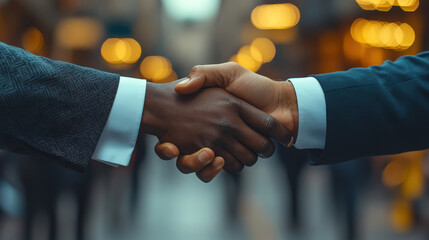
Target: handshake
x: 220, y: 117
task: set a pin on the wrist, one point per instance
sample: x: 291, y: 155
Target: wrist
x: 288, y: 105
x: 153, y: 115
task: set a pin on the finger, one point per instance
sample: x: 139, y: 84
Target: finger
x: 196, y: 161
x: 166, y: 151
x: 232, y: 165
x: 241, y: 153
x: 208, y: 173
x: 220, y: 75
x: 264, y: 123
x: 254, y: 141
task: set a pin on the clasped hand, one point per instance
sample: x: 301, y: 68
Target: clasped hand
x: 221, y: 116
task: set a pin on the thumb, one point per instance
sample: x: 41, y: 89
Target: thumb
x: 219, y: 75
x: 166, y: 151
x: 190, y: 84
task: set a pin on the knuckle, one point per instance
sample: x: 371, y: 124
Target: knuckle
x: 204, y: 178
x: 264, y: 146
x: 234, y: 168
x: 225, y: 126
x: 196, y: 68
x: 270, y: 123
x: 238, y: 168
x: 231, y: 102
x: 251, y: 160
x: 233, y: 65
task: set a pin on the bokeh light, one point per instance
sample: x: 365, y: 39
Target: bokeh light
x: 275, y: 16
x: 156, y: 68
x: 402, y: 216
x: 395, y: 173
x: 386, y: 5
x: 397, y: 36
x: 263, y: 50
x: 79, y: 33
x: 33, y: 41
x: 245, y: 59
x: 121, y: 51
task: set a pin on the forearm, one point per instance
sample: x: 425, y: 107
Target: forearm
x: 377, y: 110
x: 53, y: 108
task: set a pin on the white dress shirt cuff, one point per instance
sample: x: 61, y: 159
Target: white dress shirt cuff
x: 312, y: 113
x: 119, y: 137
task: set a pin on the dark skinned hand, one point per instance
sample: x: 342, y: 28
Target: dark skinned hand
x: 214, y: 119
x: 275, y: 98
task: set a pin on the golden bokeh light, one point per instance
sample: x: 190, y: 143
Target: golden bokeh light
x: 79, y: 33
x: 386, y: 5
x: 233, y: 58
x: 395, y: 173
x: 352, y: 50
x: 156, y: 68
x: 275, y: 16
x: 263, y: 50
x: 413, y: 187
x: 172, y: 77
x: 33, y: 41
x: 245, y: 59
x: 121, y: 51
x: 397, y: 36
x: 408, y: 36
x: 411, y: 7
x: 402, y: 216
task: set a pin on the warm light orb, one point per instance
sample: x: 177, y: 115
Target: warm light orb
x: 32, y: 40
x: 409, y: 35
x: 411, y: 8
x: 398, y: 36
x: 156, y: 68
x: 395, y: 173
x: 275, y: 16
x: 245, y: 59
x: 135, y: 50
x: 121, y: 51
x: 263, y: 50
x: 357, y: 29
x: 79, y: 33
x: 386, y: 5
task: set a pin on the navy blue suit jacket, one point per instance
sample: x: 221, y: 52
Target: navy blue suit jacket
x: 50, y: 108
x: 376, y: 110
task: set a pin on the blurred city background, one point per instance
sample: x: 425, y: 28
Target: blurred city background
x: 280, y: 197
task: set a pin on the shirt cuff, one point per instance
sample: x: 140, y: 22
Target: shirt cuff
x: 119, y: 136
x: 312, y: 113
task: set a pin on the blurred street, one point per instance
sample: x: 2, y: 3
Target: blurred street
x: 174, y: 206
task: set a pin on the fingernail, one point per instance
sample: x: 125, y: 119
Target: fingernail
x: 167, y: 153
x: 184, y: 82
x: 203, y: 157
x: 290, y: 143
x: 217, y: 163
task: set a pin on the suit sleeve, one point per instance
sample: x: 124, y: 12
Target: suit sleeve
x: 51, y: 108
x: 377, y: 110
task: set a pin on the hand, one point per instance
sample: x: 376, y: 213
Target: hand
x: 276, y: 98
x: 191, y: 163
x: 214, y: 119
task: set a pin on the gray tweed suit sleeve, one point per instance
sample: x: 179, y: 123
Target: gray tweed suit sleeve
x: 51, y: 108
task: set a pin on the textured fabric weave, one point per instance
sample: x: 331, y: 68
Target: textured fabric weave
x: 51, y: 108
